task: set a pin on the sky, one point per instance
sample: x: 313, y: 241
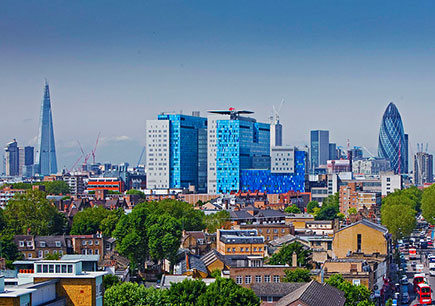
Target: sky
x: 112, y: 65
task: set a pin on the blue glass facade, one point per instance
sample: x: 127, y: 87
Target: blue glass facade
x: 393, y: 145
x: 274, y: 183
x: 240, y: 144
x: 46, y: 153
x: 184, y: 151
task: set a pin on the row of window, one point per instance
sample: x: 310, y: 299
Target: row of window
x: 90, y: 252
x: 54, y: 268
x: 90, y: 242
x: 41, y: 254
x: 258, y: 279
x: 243, y: 250
x: 276, y: 231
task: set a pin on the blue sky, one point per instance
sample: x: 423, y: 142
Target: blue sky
x: 114, y: 64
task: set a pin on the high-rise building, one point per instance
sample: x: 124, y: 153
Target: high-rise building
x: 393, y: 144
x: 333, y: 151
x: 319, y: 148
x: 423, y: 168
x: 12, y: 159
x: 176, y: 152
x: 240, y: 143
x: 276, y: 134
x: 46, y: 152
x: 26, y: 160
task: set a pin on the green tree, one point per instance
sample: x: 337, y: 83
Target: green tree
x: 292, y: 209
x: 428, y: 204
x: 311, y: 205
x: 285, y: 255
x: 330, y: 208
x: 186, y: 292
x: 399, y: 219
x: 32, y: 213
x: 110, y: 280
x: 56, y: 256
x: 356, y: 295
x: 190, y: 219
x: 56, y: 187
x: 87, y: 222
x: 136, y: 192
x: 225, y: 292
x: 352, y: 211
x: 164, y: 237
x: 126, y: 294
x: 21, y: 186
x: 215, y: 221
x: 108, y: 224
x: 297, y: 276
x: 132, y: 237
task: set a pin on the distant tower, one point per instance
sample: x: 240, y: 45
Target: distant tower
x: 46, y: 151
x: 276, y: 127
x: 393, y: 142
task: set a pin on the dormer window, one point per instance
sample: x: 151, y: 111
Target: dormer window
x: 58, y: 244
x: 42, y: 244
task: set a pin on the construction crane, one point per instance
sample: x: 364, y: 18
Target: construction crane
x: 275, y: 113
x: 95, y: 148
x: 75, y: 164
x: 140, y: 157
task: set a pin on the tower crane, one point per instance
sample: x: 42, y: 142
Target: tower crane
x: 95, y: 148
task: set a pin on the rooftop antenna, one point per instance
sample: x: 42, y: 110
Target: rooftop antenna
x: 427, y: 147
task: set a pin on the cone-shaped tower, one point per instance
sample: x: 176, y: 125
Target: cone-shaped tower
x: 46, y: 153
x: 393, y: 143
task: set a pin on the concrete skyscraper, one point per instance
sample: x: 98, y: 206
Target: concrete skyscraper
x: 46, y: 151
x: 423, y: 168
x: 12, y: 159
x: 393, y: 142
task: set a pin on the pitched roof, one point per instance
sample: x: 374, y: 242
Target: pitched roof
x: 314, y: 294
x: 274, y: 289
x: 368, y: 223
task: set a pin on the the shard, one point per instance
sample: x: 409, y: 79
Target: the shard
x: 46, y: 152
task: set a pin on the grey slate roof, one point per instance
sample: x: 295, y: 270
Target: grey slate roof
x: 274, y: 289
x: 314, y: 294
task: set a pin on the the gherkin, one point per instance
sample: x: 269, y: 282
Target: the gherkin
x: 46, y: 154
x: 393, y: 142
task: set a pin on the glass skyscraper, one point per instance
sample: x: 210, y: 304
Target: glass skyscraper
x: 241, y: 143
x: 393, y: 142
x: 319, y: 141
x: 177, y: 156
x: 46, y: 152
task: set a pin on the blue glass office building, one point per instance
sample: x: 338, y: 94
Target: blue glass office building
x: 275, y: 183
x: 187, y: 150
x: 393, y: 142
x: 241, y: 143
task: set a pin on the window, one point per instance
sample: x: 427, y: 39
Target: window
x: 54, y: 251
x: 276, y: 279
x: 259, y: 249
x: 108, y: 247
x: 97, y: 242
x: 63, y: 268
x: 90, y: 242
x: 45, y: 268
x: 258, y: 278
x: 228, y: 249
x: 60, y: 252
x: 269, y: 299
x: 29, y: 255
x: 50, y: 268
x: 248, y: 279
x: 90, y: 252
x: 239, y: 280
x: 83, y: 242
x: 29, y: 243
x: 47, y: 252
x: 70, y: 269
x: 58, y: 244
x: 21, y: 244
x: 234, y: 249
x: 40, y: 254
x: 359, y: 243
x: 275, y: 231
x: 97, y: 252
x: 329, y: 245
x: 42, y: 244
x: 267, y: 278
x: 57, y: 268
x: 39, y: 269
x: 255, y: 249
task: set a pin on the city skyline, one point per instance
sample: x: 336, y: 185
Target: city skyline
x: 346, y: 62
